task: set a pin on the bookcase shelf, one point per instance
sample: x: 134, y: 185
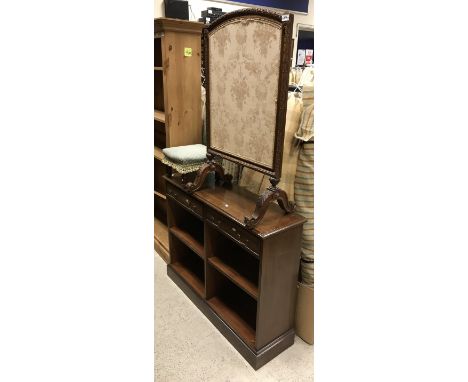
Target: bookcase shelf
x: 231, y: 316
x: 158, y: 154
x: 158, y: 194
x: 159, y: 116
x: 188, y: 240
x: 233, y: 261
x: 232, y: 274
x: 161, y: 239
x: 188, y: 264
x: 189, y: 276
x: 185, y: 224
x: 243, y: 281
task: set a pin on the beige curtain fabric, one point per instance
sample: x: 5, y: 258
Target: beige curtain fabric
x: 306, y: 128
x: 257, y: 182
x: 301, y: 76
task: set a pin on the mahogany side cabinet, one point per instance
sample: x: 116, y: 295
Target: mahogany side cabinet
x: 244, y: 281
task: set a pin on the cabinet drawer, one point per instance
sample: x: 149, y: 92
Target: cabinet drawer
x: 235, y: 231
x: 184, y: 199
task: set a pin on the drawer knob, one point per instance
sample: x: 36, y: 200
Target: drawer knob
x: 234, y: 229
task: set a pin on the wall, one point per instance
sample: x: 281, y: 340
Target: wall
x: 200, y: 5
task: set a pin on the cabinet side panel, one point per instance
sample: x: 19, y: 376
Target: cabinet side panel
x: 182, y: 71
x: 278, y: 280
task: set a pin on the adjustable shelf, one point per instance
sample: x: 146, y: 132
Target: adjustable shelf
x: 159, y: 116
x: 233, y: 261
x: 243, y: 281
x: 184, y: 223
x: 158, y: 194
x: 193, y: 279
x: 238, y: 311
x: 187, y: 263
x: 161, y: 239
x: 158, y: 154
x: 188, y: 240
x: 235, y: 322
x: 231, y: 273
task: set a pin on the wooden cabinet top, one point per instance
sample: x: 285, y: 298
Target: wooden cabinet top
x: 164, y: 24
x: 236, y: 203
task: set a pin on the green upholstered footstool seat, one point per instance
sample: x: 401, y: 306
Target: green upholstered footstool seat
x: 185, y: 159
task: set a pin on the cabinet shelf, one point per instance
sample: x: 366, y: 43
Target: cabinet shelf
x: 189, y: 241
x: 161, y: 239
x: 158, y: 154
x: 159, y: 116
x: 238, y: 279
x: 187, y: 227
x: 234, y: 320
x: 190, y: 277
x: 158, y: 194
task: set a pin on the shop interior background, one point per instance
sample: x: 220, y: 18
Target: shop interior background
x: 197, y: 6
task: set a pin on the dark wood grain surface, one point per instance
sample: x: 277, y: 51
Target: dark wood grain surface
x: 277, y: 286
x: 189, y: 241
x: 236, y: 203
x: 256, y: 358
x: 189, y: 277
x: 238, y: 278
x: 234, y: 320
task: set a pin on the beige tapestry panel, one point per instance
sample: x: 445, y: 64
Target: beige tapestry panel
x: 244, y: 59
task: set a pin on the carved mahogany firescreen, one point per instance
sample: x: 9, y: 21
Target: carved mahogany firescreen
x: 247, y: 56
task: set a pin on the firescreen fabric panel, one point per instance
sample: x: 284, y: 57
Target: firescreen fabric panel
x: 244, y: 62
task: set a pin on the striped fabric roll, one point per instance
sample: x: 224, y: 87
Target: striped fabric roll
x: 231, y: 168
x: 304, y: 198
x: 307, y: 272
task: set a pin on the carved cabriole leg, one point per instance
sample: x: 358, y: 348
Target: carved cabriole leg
x: 284, y: 202
x: 271, y: 194
x: 203, y: 172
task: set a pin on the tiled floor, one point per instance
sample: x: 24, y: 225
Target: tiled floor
x: 189, y: 348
